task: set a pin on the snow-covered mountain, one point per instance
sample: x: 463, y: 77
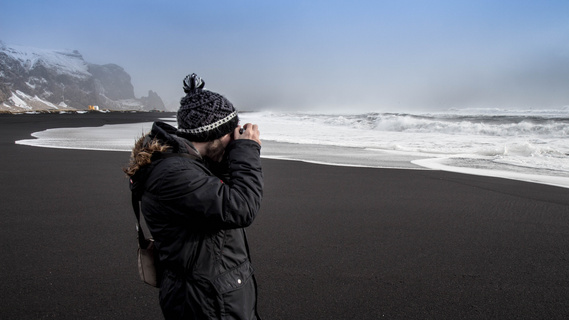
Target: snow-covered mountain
x: 34, y: 79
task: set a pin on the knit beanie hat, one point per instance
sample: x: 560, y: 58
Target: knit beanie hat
x: 204, y: 115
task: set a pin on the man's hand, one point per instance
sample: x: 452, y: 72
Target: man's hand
x: 248, y: 131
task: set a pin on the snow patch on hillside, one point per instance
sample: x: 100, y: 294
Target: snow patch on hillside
x: 64, y: 62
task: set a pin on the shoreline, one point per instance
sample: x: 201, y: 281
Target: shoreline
x: 318, y: 154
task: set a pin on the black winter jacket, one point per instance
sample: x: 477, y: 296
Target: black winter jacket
x: 196, y: 215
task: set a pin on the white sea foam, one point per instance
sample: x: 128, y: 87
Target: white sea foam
x: 532, y: 145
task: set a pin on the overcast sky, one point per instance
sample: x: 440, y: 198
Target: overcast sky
x: 318, y: 55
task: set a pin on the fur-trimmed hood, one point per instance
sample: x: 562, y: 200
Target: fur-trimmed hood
x: 161, y: 138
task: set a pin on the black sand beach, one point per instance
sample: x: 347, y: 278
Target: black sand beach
x: 329, y: 243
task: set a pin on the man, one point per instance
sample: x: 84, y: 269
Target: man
x: 200, y: 185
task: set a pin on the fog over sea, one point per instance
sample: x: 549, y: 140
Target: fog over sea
x: 528, y: 145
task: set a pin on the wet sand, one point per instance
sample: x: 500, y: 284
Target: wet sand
x: 329, y: 243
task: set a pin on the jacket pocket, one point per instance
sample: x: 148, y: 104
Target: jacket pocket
x: 233, y: 279
x: 236, y: 293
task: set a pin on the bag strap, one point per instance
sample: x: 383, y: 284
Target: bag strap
x: 142, y: 242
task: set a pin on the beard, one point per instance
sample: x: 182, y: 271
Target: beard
x: 215, y: 150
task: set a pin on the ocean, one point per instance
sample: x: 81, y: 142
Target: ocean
x: 528, y: 145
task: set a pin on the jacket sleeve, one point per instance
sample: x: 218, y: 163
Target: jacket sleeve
x: 198, y: 197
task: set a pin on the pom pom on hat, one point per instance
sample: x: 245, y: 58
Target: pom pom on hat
x: 193, y: 83
x: 204, y: 115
